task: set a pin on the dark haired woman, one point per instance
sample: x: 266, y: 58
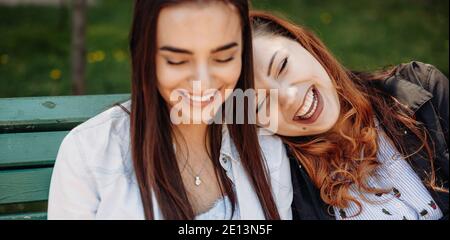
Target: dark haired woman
x: 145, y: 164
x: 362, y: 145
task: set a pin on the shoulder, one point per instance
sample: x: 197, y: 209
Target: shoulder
x: 100, y: 141
x: 425, y: 75
x: 273, y: 149
x: 415, y: 83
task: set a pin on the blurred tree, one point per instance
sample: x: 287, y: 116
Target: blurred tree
x: 78, y: 46
x: 62, y: 5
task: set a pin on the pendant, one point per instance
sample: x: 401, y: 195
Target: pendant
x: 198, y: 181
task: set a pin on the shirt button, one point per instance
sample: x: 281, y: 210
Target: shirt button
x: 424, y: 214
x: 396, y: 156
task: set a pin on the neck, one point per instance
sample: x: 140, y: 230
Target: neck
x: 193, y: 135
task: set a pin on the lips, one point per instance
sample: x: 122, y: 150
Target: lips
x: 201, y: 100
x: 311, y: 108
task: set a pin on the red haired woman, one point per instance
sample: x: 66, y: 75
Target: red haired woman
x: 362, y: 145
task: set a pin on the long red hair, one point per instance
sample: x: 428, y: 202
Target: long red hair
x: 347, y: 154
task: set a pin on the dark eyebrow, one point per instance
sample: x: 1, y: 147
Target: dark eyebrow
x: 271, y: 63
x: 175, y: 50
x: 184, y: 51
x: 225, y: 47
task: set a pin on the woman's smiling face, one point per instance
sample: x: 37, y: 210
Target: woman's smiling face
x: 199, y: 56
x: 308, y: 103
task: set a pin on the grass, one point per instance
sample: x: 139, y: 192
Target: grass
x: 369, y: 34
x: 36, y: 43
x: 364, y: 35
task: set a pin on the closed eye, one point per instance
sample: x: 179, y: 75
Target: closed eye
x: 283, y: 65
x: 176, y: 63
x: 224, y: 60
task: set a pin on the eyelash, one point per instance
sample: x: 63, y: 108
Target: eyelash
x: 225, y: 61
x: 283, y: 65
x: 183, y: 62
x: 176, y: 63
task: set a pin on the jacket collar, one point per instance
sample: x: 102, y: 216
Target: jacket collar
x: 248, y: 201
x: 409, y: 94
x: 228, y: 148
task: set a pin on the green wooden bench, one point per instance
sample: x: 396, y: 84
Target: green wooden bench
x: 31, y: 130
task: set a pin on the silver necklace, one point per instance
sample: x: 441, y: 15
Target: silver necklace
x: 197, y: 180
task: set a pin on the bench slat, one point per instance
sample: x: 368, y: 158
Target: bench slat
x: 31, y: 131
x: 29, y: 149
x: 24, y: 185
x: 52, y: 113
x: 25, y: 216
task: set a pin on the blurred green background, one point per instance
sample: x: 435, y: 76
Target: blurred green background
x: 363, y: 34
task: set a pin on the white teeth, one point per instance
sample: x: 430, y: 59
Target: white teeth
x: 204, y: 98
x: 312, y: 111
x: 309, y: 106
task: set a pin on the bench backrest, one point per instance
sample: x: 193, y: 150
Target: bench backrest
x: 31, y: 130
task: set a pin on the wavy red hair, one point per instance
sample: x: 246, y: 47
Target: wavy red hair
x: 347, y: 154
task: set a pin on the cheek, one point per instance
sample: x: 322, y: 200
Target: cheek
x: 263, y: 83
x: 331, y: 111
x: 334, y: 105
x: 167, y: 76
x: 286, y: 128
x: 323, y: 78
x: 167, y: 87
x: 228, y: 76
x: 329, y: 89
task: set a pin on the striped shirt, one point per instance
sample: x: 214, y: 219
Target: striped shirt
x: 408, y: 198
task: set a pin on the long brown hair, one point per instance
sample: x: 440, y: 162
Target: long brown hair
x: 347, y: 154
x: 154, y: 159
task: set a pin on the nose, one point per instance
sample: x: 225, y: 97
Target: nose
x: 203, y: 79
x: 287, y: 95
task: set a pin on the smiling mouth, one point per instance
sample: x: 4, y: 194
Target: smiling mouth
x: 311, y: 108
x: 201, y: 100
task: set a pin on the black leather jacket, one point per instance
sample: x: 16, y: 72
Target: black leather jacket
x: 424, y: 89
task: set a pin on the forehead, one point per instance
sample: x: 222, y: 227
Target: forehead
x: 193, y: 25
x: 266, y: 46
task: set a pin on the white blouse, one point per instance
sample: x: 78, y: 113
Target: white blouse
x: 408, y: 198
x: 222, y: 210
x: 93, y: 176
